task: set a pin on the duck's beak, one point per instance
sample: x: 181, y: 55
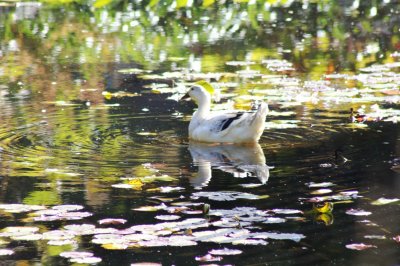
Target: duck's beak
x: 185, y: 97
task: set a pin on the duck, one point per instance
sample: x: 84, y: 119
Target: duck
x: 224, y: 126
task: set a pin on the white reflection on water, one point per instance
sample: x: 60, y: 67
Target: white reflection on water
x: 241, y: 161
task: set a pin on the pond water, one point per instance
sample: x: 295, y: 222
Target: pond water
x: 94, y: 152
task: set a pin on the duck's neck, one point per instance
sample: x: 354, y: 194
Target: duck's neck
x: 204, y: 108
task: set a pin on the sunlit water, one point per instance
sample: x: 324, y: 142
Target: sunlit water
x: 93, y: 120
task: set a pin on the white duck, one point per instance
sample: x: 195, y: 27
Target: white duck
x: 224, y: 127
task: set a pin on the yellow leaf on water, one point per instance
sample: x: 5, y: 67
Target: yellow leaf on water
x: 114, y: 246
x: 107, y: 95
x: 325, y: 207
x: 136, y: 183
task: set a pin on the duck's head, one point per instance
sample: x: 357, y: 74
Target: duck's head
x: 198, y: 94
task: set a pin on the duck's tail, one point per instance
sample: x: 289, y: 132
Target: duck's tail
x: 261, y: 113
x: 258, y: 122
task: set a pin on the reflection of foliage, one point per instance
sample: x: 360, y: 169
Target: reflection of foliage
x: 153, y: 32
x: 42, y: 198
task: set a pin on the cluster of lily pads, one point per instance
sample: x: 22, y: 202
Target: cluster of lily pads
x: 275, y: 81
x: 194, y: 225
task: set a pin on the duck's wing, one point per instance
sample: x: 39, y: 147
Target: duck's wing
x: 224, y: 122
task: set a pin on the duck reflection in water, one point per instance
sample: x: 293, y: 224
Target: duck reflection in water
x: 241, y: 161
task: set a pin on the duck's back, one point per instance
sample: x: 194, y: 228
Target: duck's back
x: 229, y: 127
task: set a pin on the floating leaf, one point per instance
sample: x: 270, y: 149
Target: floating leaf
x: 358, y: 212
x: 225, y: 251
x: 81, y: 229
x: 122, y: 185
x: 152, y: 178
x: 5, y: 252
x: 359, y: 246
x: 273, y: 220
x: 136, y: 183
x: 61, y: 242
x: 131, y: 71
x: 208, y: 257
x: 167, y: 217
x: 321, y: 191
x: 252, y: 185
x: 150, y: 208
x: 19, y: 208
x: 286, y: 211
x: 115, y: 246
x: 322, y: 184
x: 170, y: 189
x: 254, y: 242
x: 76, y: 254
x: 397, y: 238
x: 147, y: 133
x: 384, y: 201
x: 86, y: 260
x: 13, y: 231
x: 112, y: 221
x: 29, y: 237
x: 279, y: 236
x: 67, y: 208
x: 381, y: 237
x: 58, y: 235
x: 323, y: 207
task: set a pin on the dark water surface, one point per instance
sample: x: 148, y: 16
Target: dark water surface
x: 90, y: 128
